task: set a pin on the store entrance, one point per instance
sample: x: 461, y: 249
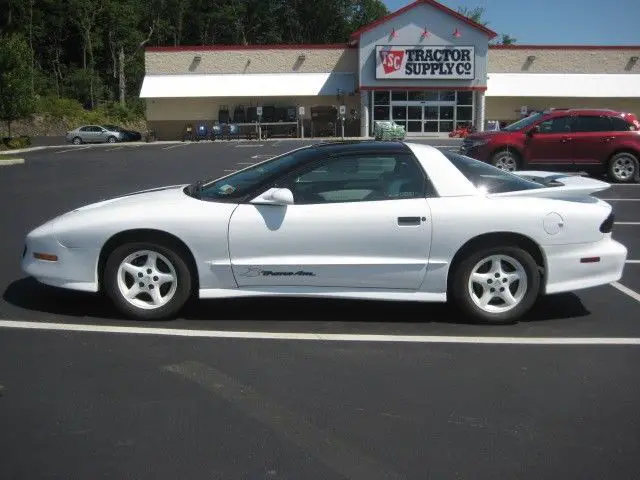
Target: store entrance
x: 425, y: 113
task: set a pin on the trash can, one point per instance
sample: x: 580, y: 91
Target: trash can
x: 188, y: 133
x: 202, y: 131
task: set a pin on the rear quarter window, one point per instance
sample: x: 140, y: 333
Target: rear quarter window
x: 488, y: 178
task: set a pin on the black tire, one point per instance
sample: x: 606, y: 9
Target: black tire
x: 460, y: 285
x: 112, y: 139
x: 182, y: 288
x: 77, y: 141
x: 623, y: 167
x: 506, y: 159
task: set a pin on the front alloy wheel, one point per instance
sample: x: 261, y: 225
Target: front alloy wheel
x: 147, y: 281
x: 505, y: 160
x: 623, y: 167
x: 496, y: 285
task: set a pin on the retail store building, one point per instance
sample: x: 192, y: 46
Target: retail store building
x: 424, y: 66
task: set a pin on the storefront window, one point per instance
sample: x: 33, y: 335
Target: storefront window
x: 446, y: 126
x: 447, y: 96
x: 446, y: 113
x: 399, y: 96
x: 464, y: 98
x: 399, y: 113
x: 381, y: 97
x: 414, y: 113
x: 431, y: 113
x: 414, y: 126
x: 381, y: 113
x: 426, y: 96
x: 464, y: 114
x: 431, y: 127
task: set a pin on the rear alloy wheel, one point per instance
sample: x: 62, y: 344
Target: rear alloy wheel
x: 496, y: 285
x: 111, y: 139
x: 623, y: 167
x: 505, y: 160
x: 77, y: 141
x: 147, y: 281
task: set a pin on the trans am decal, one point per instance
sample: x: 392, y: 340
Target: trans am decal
x: 257, y: 272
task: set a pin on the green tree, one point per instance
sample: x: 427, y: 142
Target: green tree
x: 506, y: 39
x: 16, y: 97
x: 477, y: 14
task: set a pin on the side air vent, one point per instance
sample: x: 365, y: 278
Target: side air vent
x: 607, y: 225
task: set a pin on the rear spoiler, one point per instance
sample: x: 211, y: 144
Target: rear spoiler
x: 557, y: 184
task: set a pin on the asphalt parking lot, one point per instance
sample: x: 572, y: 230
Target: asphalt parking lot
x: 405, y: 392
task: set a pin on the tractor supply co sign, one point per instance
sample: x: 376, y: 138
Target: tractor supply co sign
x: 418, y: 62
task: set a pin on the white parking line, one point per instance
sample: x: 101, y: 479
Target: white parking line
x: 323, y: 337
x: 73, y: 149
x: 250, y: 145
x: 632, y: 261
x: 175, y: 146
x: 626, y: 223
x: 621, y: 199
x: 627, y: 291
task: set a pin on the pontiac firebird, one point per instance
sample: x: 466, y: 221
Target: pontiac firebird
x: 364, y: 220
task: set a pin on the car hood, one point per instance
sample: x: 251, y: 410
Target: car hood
x: 170, y: 194
x: 485, y: 135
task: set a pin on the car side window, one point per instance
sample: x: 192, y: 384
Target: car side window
x: 621, y: 125
x: 592, y: 123
x: 556, y: 125
x: 360, y: 178
x: 85, y: 129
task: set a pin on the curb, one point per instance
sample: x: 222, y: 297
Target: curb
x: 11, y: 161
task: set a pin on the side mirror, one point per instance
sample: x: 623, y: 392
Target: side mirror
x: 275, y: 196
x: 533, y: 130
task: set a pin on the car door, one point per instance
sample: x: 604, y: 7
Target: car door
x: 356, y: 222
x: 595, y: 139
x: 85, y: 134
x: 550, y: 143
x: 94, y: 134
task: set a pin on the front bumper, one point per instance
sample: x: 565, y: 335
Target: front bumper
x: 75, y: 268
x: 567, y: 271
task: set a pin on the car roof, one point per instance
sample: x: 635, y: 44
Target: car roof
x: 585, y: 111
x: 356, y: 146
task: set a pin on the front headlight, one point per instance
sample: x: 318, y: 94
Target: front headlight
x: 478, y: 143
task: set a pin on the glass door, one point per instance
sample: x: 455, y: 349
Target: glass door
x: 414, y: 119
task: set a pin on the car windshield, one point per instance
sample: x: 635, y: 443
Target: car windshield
x: 488, y: 178
x: 239, y: 184
x: 524, y: 123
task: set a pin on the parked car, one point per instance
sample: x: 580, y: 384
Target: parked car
x: 128, y: 135
x: 368, y: 220
x: 94, y: 134
x: 575, y: 139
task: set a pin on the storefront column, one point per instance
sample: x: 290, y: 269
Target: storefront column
x: 364, y: 113
x: 480, y: 111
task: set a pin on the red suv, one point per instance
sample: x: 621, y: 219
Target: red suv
x: 580, y: 139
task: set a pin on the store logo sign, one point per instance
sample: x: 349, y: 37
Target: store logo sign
x: 391, y: 60
x: 420, y: 62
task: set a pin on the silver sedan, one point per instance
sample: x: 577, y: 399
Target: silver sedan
x: 94, y: 134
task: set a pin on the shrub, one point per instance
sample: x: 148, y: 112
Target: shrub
x: 13, y: 143
x: 60, y: 107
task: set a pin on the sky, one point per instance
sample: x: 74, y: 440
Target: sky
x: 556, y: 22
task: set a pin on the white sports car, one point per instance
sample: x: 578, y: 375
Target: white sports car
x: 366, y: 220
